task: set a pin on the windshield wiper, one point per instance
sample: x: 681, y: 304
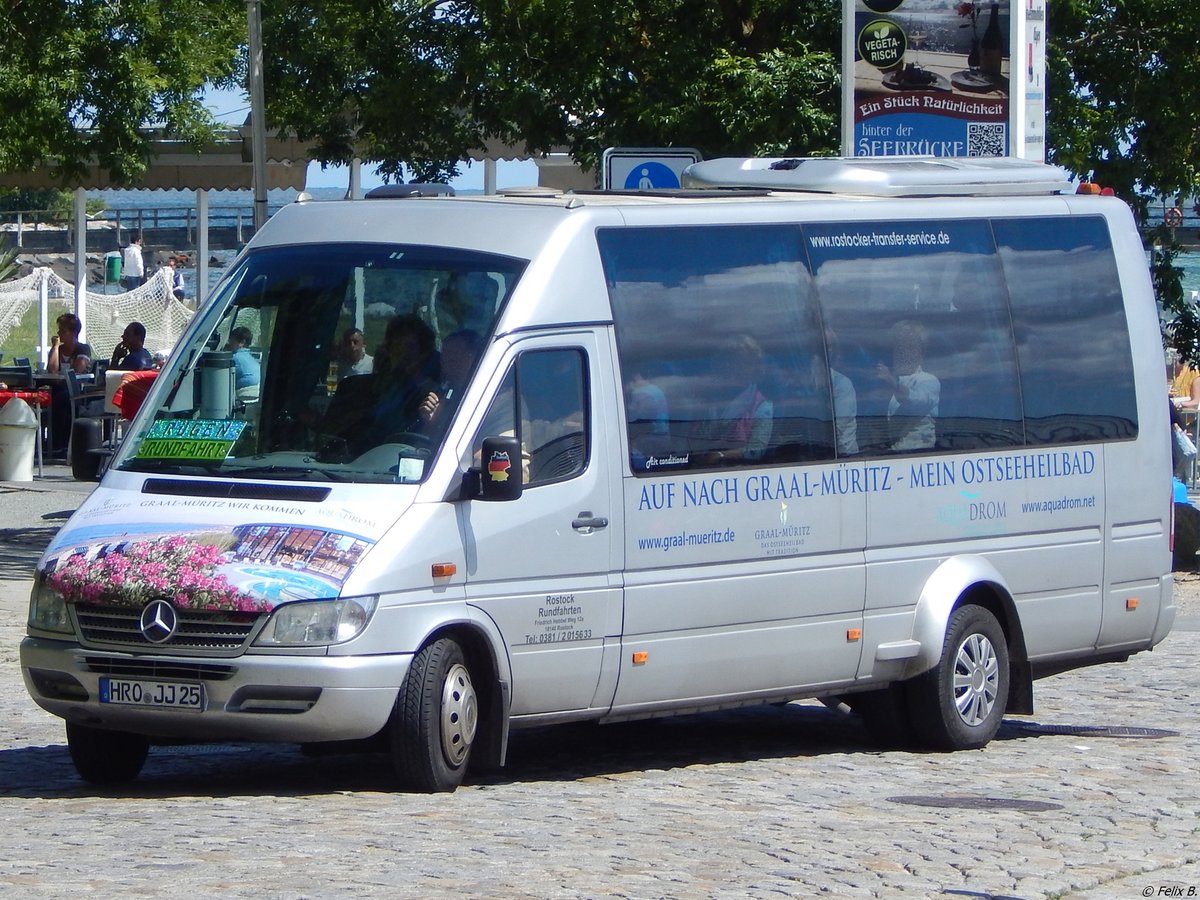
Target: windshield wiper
x: 297, y: 473
x: 161, y: 467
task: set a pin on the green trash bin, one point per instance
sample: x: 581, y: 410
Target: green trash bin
x: 112, y: 267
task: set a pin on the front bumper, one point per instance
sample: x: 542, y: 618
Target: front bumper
x: 298, y: 699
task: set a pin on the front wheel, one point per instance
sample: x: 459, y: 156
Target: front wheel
x: 106, y: 757
x: 435, y: 719
x: 959, y: 704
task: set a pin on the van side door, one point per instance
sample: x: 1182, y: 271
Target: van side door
x: 542, y: 566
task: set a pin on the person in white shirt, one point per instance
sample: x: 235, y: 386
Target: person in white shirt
x: 133, y: 269
x: 915, y: 392
x: 353, y: 358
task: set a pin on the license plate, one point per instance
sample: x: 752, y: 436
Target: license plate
x: 161, y: 694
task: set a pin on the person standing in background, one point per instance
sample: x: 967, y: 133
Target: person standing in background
x: 176, y: 278
x: 1185, y: 386
x: 133, y: 268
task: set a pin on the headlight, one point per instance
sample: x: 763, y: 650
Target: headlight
x: 317, y: 622
x: 48, y: 609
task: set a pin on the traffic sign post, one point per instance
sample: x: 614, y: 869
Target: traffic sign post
x: 645, y: 168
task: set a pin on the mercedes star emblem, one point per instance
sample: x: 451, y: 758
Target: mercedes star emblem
x: 159, y: 621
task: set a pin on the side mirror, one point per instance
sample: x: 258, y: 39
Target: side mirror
x: 500, y: 465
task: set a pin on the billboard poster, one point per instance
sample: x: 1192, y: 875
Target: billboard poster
x: 927, y: 78
x: 1029, y: 83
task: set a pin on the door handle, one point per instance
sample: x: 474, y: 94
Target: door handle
x: 586, y: 522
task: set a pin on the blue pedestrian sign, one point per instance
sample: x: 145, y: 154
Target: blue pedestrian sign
x: 645, y: 168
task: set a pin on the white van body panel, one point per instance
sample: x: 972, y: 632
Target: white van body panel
x: 633, y: 584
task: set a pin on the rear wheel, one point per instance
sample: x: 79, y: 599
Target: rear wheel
x: 959, y: 704
x: 435, y: 719
x: 106, y: 757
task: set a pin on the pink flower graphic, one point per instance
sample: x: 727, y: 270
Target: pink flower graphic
x: 175, y: 567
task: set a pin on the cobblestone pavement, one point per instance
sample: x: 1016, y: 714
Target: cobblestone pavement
x: 782, y: 801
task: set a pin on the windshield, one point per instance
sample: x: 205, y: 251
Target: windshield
x: 326, y: 363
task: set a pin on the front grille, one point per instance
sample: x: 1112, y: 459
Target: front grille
x: 158, y: 668
x: 221, y: 633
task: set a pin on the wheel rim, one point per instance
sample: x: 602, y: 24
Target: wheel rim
x: 460, y: 713
x: 976, y: 679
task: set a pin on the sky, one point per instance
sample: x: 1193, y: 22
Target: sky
x: 232, y: 107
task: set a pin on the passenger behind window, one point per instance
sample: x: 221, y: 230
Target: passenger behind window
x: 915, y: 392
x: 467, y: 302
x: 352, y: 357
x: 369, y: 410
x: 649, y: 421
x: 845, y: 400
x: 740, y: 429
x: 245, y: 363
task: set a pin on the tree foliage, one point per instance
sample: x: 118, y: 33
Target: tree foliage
x: 1124, y: 87
x: 417, y: 85
x: 1124, y: 90
x: 81, y: 79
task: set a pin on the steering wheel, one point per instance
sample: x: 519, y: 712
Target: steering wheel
x: 419, y: 442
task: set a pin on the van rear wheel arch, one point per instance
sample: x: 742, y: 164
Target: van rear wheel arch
x: 999, y: 603
x: 972, y: 580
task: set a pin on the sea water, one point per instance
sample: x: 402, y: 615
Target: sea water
x: 128, y: 202
x: 1190, y: 264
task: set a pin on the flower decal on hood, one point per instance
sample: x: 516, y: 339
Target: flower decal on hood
x: 179, y: 569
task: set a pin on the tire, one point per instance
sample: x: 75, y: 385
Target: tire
x: 1187, y: 536
x: 106, y: 757
x: 435, y: 720
x: 885, y: 715
x: 960, y: 703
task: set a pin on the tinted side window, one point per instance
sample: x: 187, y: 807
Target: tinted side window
x: 720, y: 345
x: 917, y: 321
x: 1069, y: 321
x: 551, y: 418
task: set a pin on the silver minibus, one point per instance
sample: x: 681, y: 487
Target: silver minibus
x: 887, y: 433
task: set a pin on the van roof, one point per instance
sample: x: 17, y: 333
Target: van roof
x: 740, y: 179
x: 896, y: 176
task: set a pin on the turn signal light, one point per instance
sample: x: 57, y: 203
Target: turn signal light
x: 853, y: 634
x: 1132, y: 603
x: 640, y: 657
x: 444, y: 570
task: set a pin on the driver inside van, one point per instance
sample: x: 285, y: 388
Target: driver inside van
x: 368, y: 410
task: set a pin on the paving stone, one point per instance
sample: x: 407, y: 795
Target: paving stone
x: 775, y: 802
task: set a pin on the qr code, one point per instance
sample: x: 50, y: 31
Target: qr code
x: 987, y: 139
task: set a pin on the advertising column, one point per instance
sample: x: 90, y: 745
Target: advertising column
x: 926, y: 78
x: 1029, y: 83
